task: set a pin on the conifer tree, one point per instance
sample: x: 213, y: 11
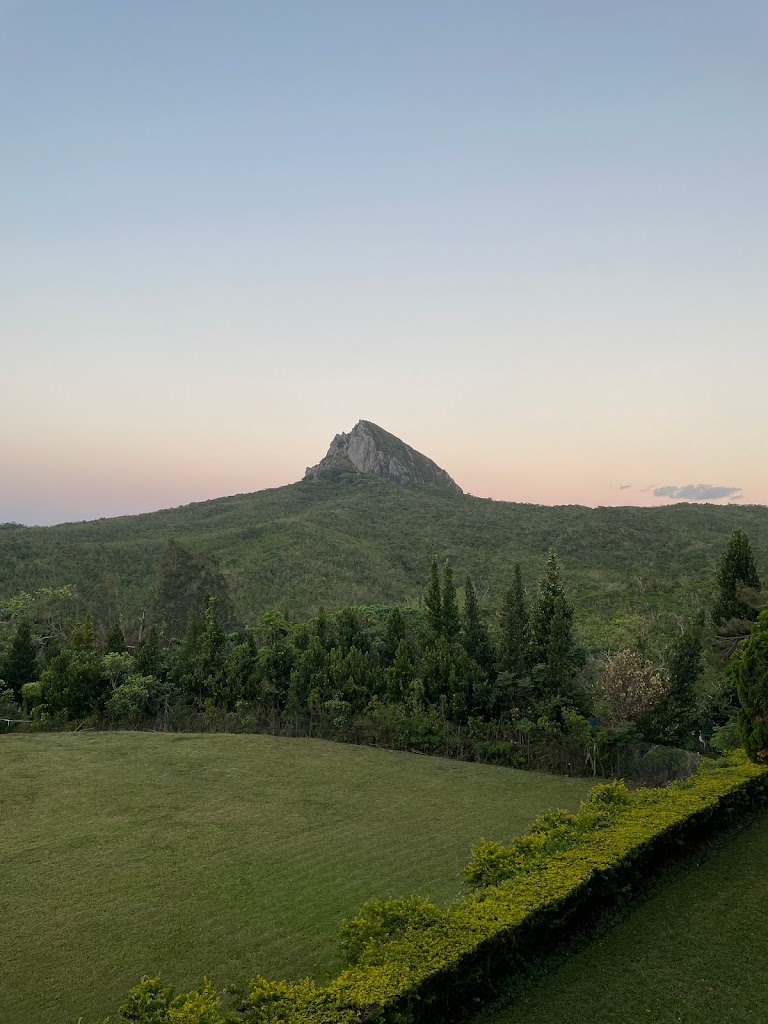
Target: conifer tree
x: 20, y: 664
x: 560, y: 646
x: 550, y: 601
x: 400, y: 674
x: 674, y: 719
x: 451, y: 620
x: 515, y: 639
x: 474, y: 633
x: 394, y: 634
x: 116, y: 640
x: 737, y: 570
x: 183, y: 581
x: 213, y: 644
x: 748, y: 669
x: 322, y: 629
x: 433, y: 603
x: 148, y: 658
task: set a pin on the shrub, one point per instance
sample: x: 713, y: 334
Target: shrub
x: 410, y: 960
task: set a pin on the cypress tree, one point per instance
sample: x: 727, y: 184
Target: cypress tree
x: 148, y: 658
x: 400, y: 674
x: 451, y: 620
x: 474, y: 634
x: 20, y: 664
x: 433, y: 603
x: 515, y: 640
x: 550, y: 601
x: 183, y: 582
x: 675, y: 717
x: 394, y: 634
x: 560, y: 646
x: 748, y: 669
x: 737, y: 570
x: 116, y: 640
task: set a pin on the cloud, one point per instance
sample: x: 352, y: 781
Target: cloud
x: 624, y: 487
x: 698, y: 492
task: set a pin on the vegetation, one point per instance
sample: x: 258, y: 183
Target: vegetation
x: 432, y: 681
x: 696, y: 951
x: 362, y: 540
x: 749, y: 672
x: 132, y: 853
x: 409, y: 958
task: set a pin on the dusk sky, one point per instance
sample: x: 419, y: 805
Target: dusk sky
x: 529, y: 238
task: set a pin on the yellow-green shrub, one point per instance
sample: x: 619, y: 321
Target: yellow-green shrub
x: 561, y: 874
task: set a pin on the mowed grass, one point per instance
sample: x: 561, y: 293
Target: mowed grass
x: 696, y: 951
x: 124, y: 854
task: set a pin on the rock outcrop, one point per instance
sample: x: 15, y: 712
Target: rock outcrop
x: 369, y: 449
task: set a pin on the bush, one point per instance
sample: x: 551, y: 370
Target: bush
x: 411, y: 960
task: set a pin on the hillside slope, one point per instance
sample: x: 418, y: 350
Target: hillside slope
x: 362, y: 539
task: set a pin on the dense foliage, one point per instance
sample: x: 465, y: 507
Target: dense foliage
x: 512, y: 687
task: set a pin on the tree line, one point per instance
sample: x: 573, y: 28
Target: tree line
x: 446, y: 662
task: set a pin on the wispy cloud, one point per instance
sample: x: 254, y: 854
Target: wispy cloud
x: 698, y: 492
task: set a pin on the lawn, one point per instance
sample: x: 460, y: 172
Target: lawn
x: 123, y: 854
x: 696, y: 951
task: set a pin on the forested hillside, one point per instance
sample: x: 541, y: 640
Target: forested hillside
x: 359, y: 539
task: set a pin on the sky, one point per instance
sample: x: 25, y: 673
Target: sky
x: 529, y: 238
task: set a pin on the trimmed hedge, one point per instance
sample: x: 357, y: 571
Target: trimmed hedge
x: 412, y: 960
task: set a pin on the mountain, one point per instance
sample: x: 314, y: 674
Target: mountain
x: 369, y: 449
x: 349, y: 536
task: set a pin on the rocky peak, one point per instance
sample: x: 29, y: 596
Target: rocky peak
x: 369, y: 449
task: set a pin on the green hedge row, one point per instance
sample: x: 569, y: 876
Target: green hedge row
x: 410, y: 960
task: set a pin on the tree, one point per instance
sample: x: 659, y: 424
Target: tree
x: 148, y: 660
x: 451, y: 621
x: 115, y: 639
x: 400, y: 674
x: 560, y: 647
x: 515, y: 639
x: 553, y: 651
x: 183, y: 581
x: 736, y: 572
x: 749, y: 671
x: 20, y: 664
x: 674, y: 718
x: 474, y: 633
x: 631, y: 687
x: 433, y: 603
x: 550, y: 601
x: 394, y: 634
x: 73, y: 683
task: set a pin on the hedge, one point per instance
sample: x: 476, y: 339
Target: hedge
x: 410, y: 960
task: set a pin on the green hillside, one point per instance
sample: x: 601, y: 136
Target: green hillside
x: 132, y: 853
x: 360, y: 539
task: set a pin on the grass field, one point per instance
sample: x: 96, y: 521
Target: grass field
x: 696, y: 951
x: 130, y: 853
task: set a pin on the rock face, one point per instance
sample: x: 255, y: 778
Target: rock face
x: 369, y: 449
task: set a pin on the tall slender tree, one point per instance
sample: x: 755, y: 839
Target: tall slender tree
x: 475, y: 638
x: 515, y: 638
x: 675, y: 717
x: 394, y: 634
x: 20, y: 663
x: 737, y: 571
x: 433, y: 603
x: 451, y: 620
x: 550, y: 601
x: 748, y: 669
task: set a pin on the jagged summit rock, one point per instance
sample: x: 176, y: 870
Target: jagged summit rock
x: 369, y: 449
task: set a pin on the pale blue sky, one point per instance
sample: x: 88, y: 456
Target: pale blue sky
x: 229, y: 230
